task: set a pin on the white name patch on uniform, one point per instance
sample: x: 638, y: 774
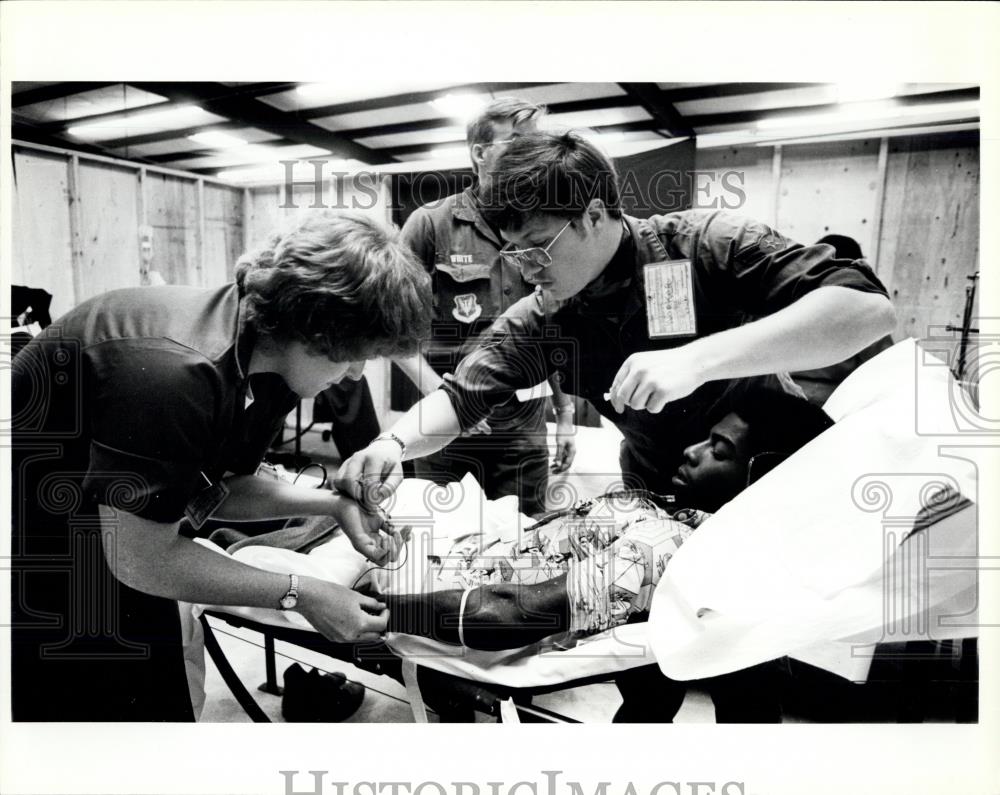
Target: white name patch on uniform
x: 670, y: 299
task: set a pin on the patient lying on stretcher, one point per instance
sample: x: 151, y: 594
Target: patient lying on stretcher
x: 592, y: 567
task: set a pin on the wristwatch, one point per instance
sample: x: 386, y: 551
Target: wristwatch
x: 391, y: 437
x: 291, y: 597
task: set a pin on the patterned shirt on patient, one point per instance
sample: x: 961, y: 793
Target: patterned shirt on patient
x: 613, y: 550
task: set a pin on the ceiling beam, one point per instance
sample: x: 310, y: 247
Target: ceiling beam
x: 419, y: 125
x: 55, y: 91
x: 179, y: 155
x: 254, y: 90
x: 649, y: 97
x: 717, y: 90
x: 594, y: 103
x: 633, y: 126
x: 672, y: 95
x: 60, y: 127
x: 170, y: 135
x: 185, y: 156
x: 212, y: 97
x: 422, y: 125
x: 214, y: 170
x: 572, y: 106
x: 409, y: 98
x: 246, y: 91
x: 629, y: 126
x: 751, y: 116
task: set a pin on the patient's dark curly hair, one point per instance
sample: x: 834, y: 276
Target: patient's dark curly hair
x: 340, y: 282
x: 778, y: 424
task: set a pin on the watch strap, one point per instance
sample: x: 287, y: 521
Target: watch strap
x: 291, y: 597
x: 390, y: 436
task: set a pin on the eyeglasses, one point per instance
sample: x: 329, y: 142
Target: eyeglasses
x: 539, y: 257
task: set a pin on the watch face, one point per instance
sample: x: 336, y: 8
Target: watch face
x: 288, y: 602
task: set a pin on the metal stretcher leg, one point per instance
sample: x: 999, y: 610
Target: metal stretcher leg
x: 251, y: 707
x: 271, y: 685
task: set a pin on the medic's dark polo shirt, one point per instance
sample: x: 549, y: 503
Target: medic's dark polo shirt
x: 146, y: 388
x: 130, y: 400
x: 472, y: 286
x: 740, y: 269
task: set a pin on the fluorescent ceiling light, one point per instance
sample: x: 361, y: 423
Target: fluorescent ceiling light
x: 313, y: 89
x: 868, y: 112
x: 262, y: 153
x: 217, y: 140
x: 141, y: 121
x: 448, y: 152
x: 459, y: 106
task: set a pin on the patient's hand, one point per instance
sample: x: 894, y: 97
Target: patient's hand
x: 340, y: 614
x: 371, y: 533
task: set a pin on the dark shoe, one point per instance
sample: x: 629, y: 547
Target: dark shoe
x: 316, y: 697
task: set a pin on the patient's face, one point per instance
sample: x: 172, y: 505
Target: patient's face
x: 715, y: 470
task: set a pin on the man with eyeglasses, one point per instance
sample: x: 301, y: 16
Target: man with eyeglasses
x: 651, y: 320
x: 473, y: 286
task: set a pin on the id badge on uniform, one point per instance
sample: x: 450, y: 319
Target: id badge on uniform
x: 205, y: 502
x: 670, y: 299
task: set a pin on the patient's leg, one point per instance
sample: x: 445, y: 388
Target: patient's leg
x: 501, y: 616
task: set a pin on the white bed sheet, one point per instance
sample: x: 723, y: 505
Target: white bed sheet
x: 811, y: 553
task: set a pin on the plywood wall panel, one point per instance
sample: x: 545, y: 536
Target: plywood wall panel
x: 747, y: 168
x: 264, y: 214
x: 829, y: 188
x: 109, y: 228
x: 271, y: 210
x: 41, y: 246
x: 172, y: 211
x: 223, y: 233
x: 931, y: 231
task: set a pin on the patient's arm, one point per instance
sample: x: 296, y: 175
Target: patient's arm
x: 503, y: 616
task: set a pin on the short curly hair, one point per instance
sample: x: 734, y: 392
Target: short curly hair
x: 779, y: 423
x: 481, y: 130
x: 340, y: 282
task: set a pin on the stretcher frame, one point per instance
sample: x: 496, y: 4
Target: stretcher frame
x: 505, y: 704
